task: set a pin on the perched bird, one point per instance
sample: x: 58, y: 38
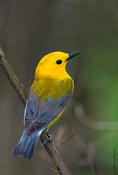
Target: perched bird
x: 50, y: 93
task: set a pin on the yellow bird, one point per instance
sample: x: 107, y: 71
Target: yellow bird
x: 50, y: 93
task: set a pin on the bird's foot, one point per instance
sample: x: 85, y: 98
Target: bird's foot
x: 47, y: 140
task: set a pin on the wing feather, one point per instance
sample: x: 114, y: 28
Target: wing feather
x: 37, y: 117
x: 39, y: 113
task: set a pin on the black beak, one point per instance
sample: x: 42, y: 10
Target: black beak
x: 73, y: 54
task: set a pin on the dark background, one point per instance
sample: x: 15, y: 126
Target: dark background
x: 28, y: 31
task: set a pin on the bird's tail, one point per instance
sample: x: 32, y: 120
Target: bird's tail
x: 27, y: 144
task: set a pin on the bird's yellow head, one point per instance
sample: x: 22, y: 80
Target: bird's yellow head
x: 54, y: 64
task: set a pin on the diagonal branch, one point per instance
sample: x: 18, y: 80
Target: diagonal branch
x: 19, y: 88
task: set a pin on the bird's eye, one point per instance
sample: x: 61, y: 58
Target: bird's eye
x: 59, y: 61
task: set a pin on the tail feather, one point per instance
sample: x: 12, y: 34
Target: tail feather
x: 27, y: 144
x: 30, y: 151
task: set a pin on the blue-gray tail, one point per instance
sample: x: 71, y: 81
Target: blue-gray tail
x: 27, y: 144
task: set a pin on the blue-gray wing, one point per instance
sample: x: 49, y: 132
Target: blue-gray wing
x: 39, y: 115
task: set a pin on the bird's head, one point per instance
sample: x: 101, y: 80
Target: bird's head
x: 54, y: 63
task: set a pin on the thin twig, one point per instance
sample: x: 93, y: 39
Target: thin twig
x: 59, y: 134
x: 66, y: 139
x: 55, y: 172
x: 19, y: 88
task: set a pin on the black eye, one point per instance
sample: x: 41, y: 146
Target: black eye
x: 59, y: 61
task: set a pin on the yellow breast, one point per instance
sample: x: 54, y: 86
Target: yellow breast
x: 52, y: 87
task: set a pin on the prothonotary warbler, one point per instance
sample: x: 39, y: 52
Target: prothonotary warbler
x: 50, y: 93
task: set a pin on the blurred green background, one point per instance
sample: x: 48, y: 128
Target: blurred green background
x: 31, y: 29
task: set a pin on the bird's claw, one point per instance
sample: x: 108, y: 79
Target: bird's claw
x: 47, y: 140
